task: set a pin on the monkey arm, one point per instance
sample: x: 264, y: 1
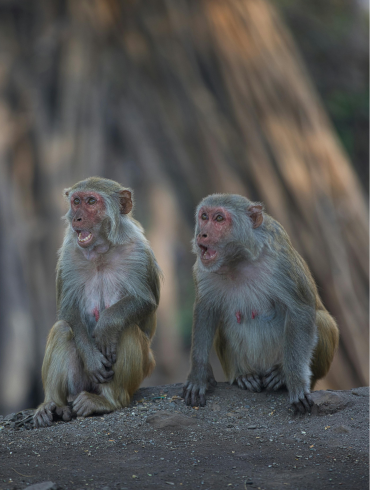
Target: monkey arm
x: 299, y: 343
x: 96, y: 365
x: 129, y: 310
x: 204, y: 327
x: 296, y: 293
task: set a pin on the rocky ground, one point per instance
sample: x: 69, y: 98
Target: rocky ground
x: 240, y: 440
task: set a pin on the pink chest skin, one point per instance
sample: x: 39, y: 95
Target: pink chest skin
x: 96, y: 313
x: 239, y: 316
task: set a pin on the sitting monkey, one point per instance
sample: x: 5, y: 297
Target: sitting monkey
x: 256, y: 299
x: 107, y: 282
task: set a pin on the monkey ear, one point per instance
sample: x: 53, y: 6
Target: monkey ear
x: 66, y: 192
x: 125, y: 201
x: 255, y: 214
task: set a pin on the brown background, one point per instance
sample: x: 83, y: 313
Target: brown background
x: 178, y: 100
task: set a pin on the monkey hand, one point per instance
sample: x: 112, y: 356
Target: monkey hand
x: 301, y: 401
x: 106, y: 341
x: 195, y: 387
x: 98, y: 368
x: 274, y: 379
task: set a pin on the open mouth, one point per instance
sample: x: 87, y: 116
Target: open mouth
x: 206, y: 253
x: 84, y: 237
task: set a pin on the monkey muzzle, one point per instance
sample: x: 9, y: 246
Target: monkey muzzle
x: 206, y: 254
x: 84, y: 237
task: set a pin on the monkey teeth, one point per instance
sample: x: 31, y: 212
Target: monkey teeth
x: 83, y: 240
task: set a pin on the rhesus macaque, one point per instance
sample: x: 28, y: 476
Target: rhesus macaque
x: 256, y: 299
x: 98, y: 351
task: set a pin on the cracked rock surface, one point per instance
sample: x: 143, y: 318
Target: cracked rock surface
x: 240, y: 440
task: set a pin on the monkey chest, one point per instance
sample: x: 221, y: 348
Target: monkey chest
x: 100, y: 292
x: 250, y: 312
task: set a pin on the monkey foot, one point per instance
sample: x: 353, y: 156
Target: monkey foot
x: 49, y: 412
x: 251, y: 382
x: 274, y: 379
x: 88, y: 403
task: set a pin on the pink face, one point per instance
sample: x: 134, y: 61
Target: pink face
x: 88, y: 210
x: 214, y: 225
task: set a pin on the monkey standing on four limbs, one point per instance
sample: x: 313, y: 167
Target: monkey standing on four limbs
x: 256, y: 299
x: 98, y: 352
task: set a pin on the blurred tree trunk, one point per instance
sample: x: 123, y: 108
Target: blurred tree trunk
x: 195, y: 96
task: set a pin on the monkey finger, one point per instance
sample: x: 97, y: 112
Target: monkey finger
x: 49, y: 414
x: 241, y: 384
x: 108, y: 375
x: 299, y: 407
x: 78, y: 404
x: 67, y: 416
x: 305, y: 402
x: 184, y: 389
x: 113, y: 354
x: 202, y: 400
x: 278, y: 385
x: 38, y: 421
x: 110, y: 355
x: 194, y: 397
x: 64, y: 413
x: 102, y: 378
x: 94, y: 378
x: 46, y: 420
x: 251, y: 383
x: 303, y: 405
x: 274, y: 383
x: 273, y: 369
x: 269, y: 378
x: 106, y: 363
x: 187, y: 397
x: 103, y: 350
x: 309, y: 399
x: 247, y: 384
x: 59, y: 411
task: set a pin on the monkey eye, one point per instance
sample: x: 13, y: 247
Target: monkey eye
x: 219, y: 218
x: 76, y: 200
x: 91, y: 200
x: 204, y: 216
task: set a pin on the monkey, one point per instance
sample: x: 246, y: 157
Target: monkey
x: 108, y: 287
x: 257, y: 302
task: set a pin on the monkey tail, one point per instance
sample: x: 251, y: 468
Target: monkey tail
x: 328, y: 341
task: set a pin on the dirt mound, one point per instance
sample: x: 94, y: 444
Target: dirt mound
x: 240, y: 440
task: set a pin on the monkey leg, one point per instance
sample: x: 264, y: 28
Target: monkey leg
x: 63, y: 376
x: 134, y: 362
x: 235, y: 365
x: 327, y: 343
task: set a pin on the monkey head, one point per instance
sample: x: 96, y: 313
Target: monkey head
x: 96, y: 206
x: 226, y: 225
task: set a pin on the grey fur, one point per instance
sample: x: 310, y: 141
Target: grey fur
x: 259, y: 276
x: 105, y: 293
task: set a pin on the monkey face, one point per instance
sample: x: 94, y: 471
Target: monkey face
x: 212, y: 231
x: 86, y: 214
